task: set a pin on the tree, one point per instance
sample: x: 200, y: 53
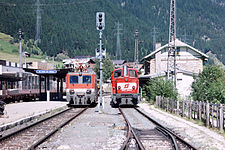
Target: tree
x: 210, y: 85
x: 107, y: 68
x: 159, y: 87
x: 32, y: 48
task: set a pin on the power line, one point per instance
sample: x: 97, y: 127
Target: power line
x: 154, y: 35
x: 38, y: 23
x: 52, y: 4
x: 171, y: 62
x: 136, y: 47
x: 118, y: 33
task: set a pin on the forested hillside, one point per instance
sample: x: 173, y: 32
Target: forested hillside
x: 68, y: 26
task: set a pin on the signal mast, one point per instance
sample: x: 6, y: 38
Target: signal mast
x: 100, y: 25
x: 171, y: 62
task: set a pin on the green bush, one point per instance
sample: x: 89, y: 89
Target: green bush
x: 210, y: 85
x: 159, y: 87
x: 107, y: 68
x: 15, y: 51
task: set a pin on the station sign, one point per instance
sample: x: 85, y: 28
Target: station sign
x: 46, y: 71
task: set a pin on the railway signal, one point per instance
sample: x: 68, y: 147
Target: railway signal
x: 100, y: 25
x: 20, y: 60
x: 100, y: 21
x: 97, y: 52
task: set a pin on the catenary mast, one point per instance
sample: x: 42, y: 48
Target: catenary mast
x: 171, y: 62
x: 118, y: 49
x: 38, y: 23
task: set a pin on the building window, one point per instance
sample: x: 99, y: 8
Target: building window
x: 178, y: 50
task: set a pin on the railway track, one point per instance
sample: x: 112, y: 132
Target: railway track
x: 33, y: 135
x: 146, y: 133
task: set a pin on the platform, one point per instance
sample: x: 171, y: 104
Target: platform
x: 16, y: 113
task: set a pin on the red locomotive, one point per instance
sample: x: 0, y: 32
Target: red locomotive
x: 81, y: 88
x: 125, y: 87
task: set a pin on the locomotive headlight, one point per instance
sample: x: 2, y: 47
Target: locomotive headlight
x: 133, y: 87
x: 88, y: 91
x: 72, y: 92
x: 119, y: 87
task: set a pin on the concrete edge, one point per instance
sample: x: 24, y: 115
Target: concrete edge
x: 27, y: 119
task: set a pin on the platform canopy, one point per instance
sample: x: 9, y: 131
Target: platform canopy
x: 59, y: 73
x: 10, y: 76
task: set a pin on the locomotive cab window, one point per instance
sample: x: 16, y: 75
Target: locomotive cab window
x: 132, y: 73
x: 73, y: 79
x: 117, y: 73
x: 87, y: 79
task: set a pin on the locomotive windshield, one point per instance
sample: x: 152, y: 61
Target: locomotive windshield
x: 73, y: 79
x: 117, y: 73
x: 87, y: 79
x: 132, y: 73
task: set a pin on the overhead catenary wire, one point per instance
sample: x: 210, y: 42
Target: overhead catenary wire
x: 50, y: 4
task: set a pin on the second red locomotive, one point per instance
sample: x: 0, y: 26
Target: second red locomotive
x: 125, y: 87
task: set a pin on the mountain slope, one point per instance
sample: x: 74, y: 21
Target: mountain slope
x: 69, y: 26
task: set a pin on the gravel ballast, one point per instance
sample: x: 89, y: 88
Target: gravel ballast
x: 92, y: 130
x: 201, y: 137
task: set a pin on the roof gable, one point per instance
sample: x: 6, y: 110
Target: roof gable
x: 178, y: 43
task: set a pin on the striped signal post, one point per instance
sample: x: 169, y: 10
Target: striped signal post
x: 100, y: 25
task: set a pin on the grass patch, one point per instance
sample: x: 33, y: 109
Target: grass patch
x: 10, y: 52
x: 5, y: 46
x: 5, y: 37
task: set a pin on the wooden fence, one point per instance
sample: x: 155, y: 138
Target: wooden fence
x: 211, y: 114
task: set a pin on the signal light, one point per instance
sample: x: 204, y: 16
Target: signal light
x: 97, y: 52
x: 100, y: 20
x: 72, y: 92
x: 88, y: 91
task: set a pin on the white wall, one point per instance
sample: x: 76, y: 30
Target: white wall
x: 184, y: 83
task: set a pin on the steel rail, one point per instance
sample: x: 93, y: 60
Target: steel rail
x: 31, y: 125
x: 130, y: 129
x: 168, y: 130
x: 165, y: 132
x: 33, y: 146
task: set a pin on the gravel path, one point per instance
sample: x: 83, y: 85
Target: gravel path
x: 91, y: 131
x: 201, y: 137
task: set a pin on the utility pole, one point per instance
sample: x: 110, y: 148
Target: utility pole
x: 21, y: 67
x: 136, y: 47
x: 100, y: 25
x: 171, y: 62
x: 118, y: 50
x: 38, y: 23
x: 185, y: 37
x: 154, y: 32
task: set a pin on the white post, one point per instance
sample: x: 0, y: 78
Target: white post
x: 21, y: 65
x: 100, y: 46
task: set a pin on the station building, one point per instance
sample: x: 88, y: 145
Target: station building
x: 189, y: 63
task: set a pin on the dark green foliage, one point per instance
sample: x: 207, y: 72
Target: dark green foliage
x: 107, y: 69
x: 210, y: 85
x: 15, y: 51
x: 32, y: 48
x: 159, y: 87
x: 69, y: 25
